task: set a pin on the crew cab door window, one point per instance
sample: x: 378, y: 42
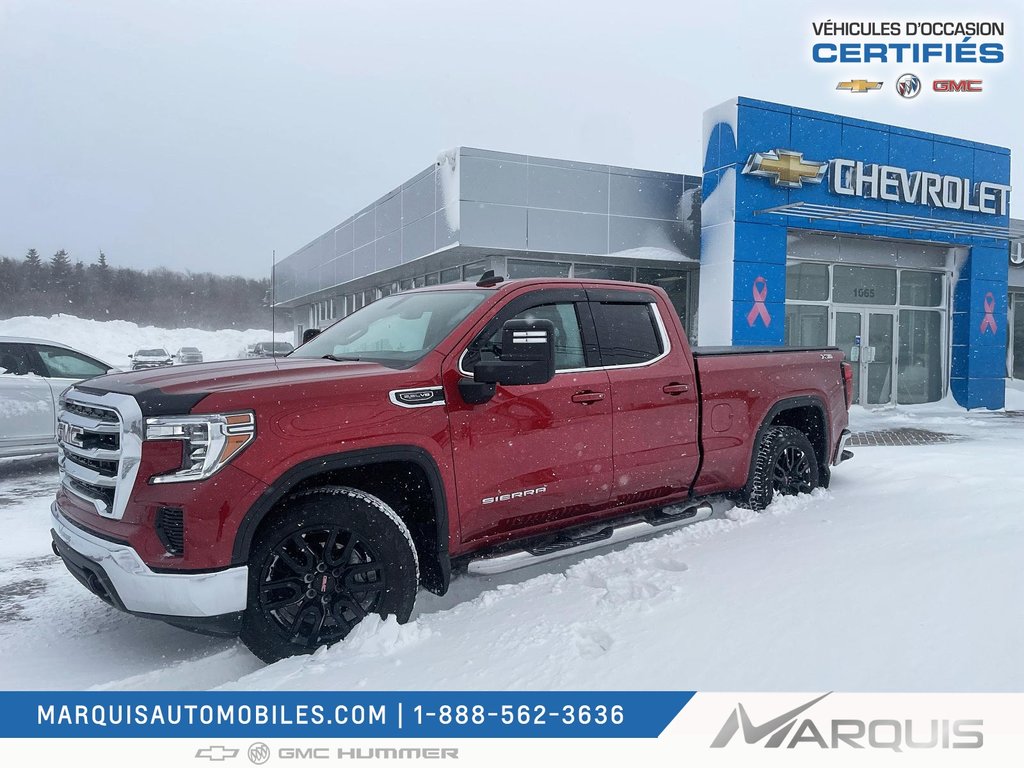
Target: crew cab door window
x: 535, y: 455
x: 627, y: 333
x: 568, y: 337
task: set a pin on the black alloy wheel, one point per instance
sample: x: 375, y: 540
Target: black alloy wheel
x: 792, y: 472
x: 785, y: 463
x: 319, y: 582
x: 321, y: 562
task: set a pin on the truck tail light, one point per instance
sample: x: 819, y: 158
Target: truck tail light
x: 847, y: 381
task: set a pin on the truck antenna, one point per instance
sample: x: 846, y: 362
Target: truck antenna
x: 273, y: 295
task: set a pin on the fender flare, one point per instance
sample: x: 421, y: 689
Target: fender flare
x: 435, y: 576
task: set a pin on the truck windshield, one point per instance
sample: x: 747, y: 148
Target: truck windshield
x: 397, y: 330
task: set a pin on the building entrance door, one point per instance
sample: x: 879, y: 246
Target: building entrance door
x: 866, y: 338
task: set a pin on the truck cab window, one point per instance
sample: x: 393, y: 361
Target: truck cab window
x: 568, y: 337
x: 626, y: 333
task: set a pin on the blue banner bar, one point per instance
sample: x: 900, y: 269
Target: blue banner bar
x: 329, y: 714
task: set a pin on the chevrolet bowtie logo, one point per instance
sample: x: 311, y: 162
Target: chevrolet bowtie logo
x: 216, y: 753
x: 785, y: 168
x: 858, y: 86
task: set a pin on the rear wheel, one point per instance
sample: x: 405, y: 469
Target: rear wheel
x: 334, y: 556
x: 785, y: 464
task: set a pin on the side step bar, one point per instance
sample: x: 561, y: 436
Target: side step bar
x: 591, y: 538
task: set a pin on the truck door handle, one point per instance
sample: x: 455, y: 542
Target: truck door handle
x: 586, y: 398
x: 675, y: 389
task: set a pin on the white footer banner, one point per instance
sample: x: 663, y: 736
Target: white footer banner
x: 493, y: 728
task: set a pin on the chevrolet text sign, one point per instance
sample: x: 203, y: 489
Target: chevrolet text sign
x: 788, y: 168
x: 898, y: 185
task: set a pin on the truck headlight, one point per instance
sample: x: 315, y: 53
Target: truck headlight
x: 211, y: 441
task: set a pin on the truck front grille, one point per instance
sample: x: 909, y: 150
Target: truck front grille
x: 99, y: 443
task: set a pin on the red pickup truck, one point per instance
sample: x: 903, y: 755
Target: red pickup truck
x: 481, y: 426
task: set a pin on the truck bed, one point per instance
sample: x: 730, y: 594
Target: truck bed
x: 739, y: 391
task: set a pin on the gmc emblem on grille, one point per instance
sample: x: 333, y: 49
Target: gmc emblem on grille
x: 70, y: 434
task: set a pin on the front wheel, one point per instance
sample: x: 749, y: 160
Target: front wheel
x: 785, y: 463
x: 332, y: 557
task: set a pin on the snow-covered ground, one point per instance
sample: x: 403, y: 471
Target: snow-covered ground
x: 904, y: 576
x: 113, y: 340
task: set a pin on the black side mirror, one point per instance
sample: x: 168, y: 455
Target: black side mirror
x: 309, y: 334
x: 527, y: 355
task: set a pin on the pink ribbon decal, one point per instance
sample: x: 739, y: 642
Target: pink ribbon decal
x: 759, y: 309
x: 989, y: 321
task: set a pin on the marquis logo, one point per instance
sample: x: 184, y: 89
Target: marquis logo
x: 789, y: 730
x: 785, y: 168
x: 908, y: 86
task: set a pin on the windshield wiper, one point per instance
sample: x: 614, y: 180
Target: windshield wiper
x: 338, y: 359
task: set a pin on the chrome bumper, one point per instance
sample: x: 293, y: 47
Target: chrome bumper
x: 841, y: 453
x: 142, y: 590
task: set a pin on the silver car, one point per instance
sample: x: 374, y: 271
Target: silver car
x: 33, y: 374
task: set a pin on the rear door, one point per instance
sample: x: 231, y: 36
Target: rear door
x: 533, y: 455
x: 654, y: 397
x: 27, y: 416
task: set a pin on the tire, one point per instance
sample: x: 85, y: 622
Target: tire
x: 785, y: 463
x: 331, y: 557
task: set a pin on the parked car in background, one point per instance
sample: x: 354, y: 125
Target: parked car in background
x: 188, y: 355
x: 271, y: 349
x: 153, y: 357
x: 33, y: 374
x: 246, y: 351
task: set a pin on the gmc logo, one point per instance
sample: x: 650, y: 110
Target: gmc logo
x: 66, y: 433
x: 957, y: 86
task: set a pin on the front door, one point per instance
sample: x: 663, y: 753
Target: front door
x: 533, y: 455
x: 866, y: 338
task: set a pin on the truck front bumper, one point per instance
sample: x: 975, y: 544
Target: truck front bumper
x: 114, y: 572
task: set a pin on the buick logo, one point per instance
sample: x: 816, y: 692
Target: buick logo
x: 259, y: 753
x: 908, y: 86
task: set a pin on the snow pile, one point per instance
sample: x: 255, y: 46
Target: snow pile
x: 902, y: 576
x: 113, y: 340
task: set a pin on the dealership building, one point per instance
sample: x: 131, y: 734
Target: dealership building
x: 804, y: 228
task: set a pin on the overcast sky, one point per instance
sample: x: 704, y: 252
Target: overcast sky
x: 204, y: 135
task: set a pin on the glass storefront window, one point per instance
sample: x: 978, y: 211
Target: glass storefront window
x: 474, y: 270
x: 676, y: 283
x: 920, y: 289
x: 523, y: 268
x: 598, y: 272
x: 432, y: 279
x: 807, y: 281
x: 452, y: 275
x: 806, y: 325
x: 920, y: 356
x: 863, y: 285
x: 1016, y: 335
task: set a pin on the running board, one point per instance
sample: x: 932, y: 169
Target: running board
x: 591, y: 538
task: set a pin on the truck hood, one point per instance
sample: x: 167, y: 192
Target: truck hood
x: 170, y: 391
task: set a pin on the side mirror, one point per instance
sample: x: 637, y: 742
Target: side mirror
x: 309, y: 334
x: 527, y: 355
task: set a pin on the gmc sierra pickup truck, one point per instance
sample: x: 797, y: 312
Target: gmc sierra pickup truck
x: 480, y: 426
